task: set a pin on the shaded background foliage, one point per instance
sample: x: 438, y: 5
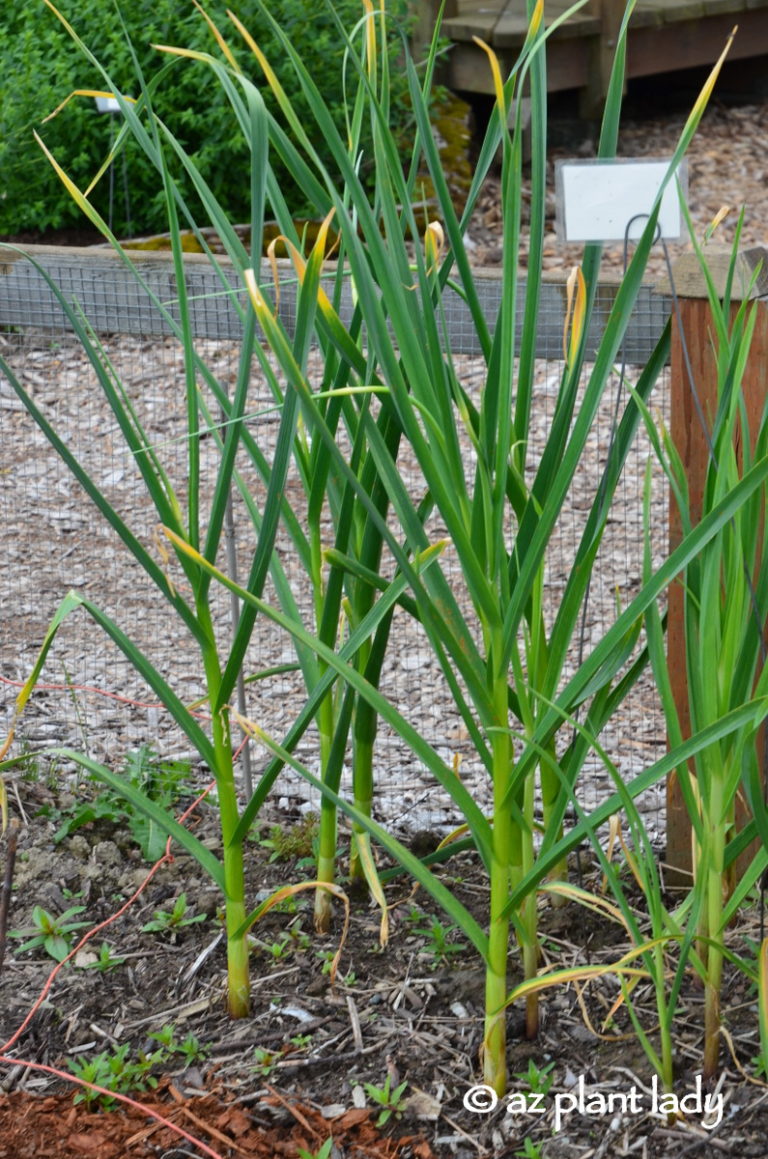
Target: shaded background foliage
x: 40, y: 66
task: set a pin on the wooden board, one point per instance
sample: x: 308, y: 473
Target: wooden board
x: 664, y: 36
x: 690, y: 44
x: 697, y: 362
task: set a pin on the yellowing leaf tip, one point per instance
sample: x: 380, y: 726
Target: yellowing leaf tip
x: 576, y: 291
x: 536, y: 18
x: 498, y: 84
x: 434, y: 244
x: 717, y: 220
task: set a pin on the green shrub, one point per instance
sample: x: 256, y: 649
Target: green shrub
x: 40, y: 66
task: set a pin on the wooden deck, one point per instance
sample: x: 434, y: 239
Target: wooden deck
x: 664, y: 36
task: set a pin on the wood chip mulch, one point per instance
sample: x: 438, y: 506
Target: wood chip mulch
x: 53, y: 1128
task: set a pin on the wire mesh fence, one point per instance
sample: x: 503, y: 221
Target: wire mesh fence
x: 52, y: 538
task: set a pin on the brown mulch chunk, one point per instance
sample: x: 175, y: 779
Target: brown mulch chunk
x: 51, y: 1127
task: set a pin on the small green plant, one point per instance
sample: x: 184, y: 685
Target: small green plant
x: 300, y: 841
x: 161, y: 780
x: 288, y: 905
x: 323, y: 1153
x: 105, y: 961
x: 300, y: 1041
x: 265, y: 1061
x: 288, y: 943
x: 278, y: 950
x: 103, y: 807
x: 530, y: 1150
x: 388, y: 1099
x: 158, y: 779
x: 438, y: 934
x: 29, y: 761
x: 116, y: 1072
x: 171, y: 921
x: 71, y: 894
x: 327, y: 957
x: 189, y: 1047
x: 53, y: 934
x: 539, y: 1079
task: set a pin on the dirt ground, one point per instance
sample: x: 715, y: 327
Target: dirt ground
x: 303, y: 1066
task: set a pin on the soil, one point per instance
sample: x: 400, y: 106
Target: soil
x: 293, y: 1073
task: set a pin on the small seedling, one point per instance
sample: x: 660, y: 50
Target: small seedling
x: 326, y: 957
x: 115, y: 1072
x: 539, y: 1079
x: 160, y: 780
x: 102, y: 808
x: 171, y: 921
x: 323, y: 1153
x: 105, y: 961
x: 297, y: 842
x: 389, y: 1100
x: 437, y: 935
x: 265, y: 1061
x: 166, y: 1037
x: 289, y: 941
x: 54, y: 934
x: 288, y: 905
x: 189, y: 1047
x: 277, y: 950
x: 37, y: 765
x: 71, y: 894
x: 300, y: 1041
x: 29, y: 760
x: 530, y: 1150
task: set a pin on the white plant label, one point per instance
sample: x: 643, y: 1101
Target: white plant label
x: 602, y: 201
x: 107, y: 105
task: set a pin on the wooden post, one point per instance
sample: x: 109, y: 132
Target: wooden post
x: 692, y: 332
x: 610, y: 14
x: 424, y: 14
x: 7, y: 257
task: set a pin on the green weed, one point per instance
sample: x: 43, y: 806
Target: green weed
x: 53, y: 934
x: 115, y: 1071
x: 105, y: 961
x: 389, y: 1099
x: 171, y: 921
x: 189, y: 1047
x: 438, y: 945
x: 161, y: 780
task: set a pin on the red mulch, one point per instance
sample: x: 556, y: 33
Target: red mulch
x: 52, y: 1127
